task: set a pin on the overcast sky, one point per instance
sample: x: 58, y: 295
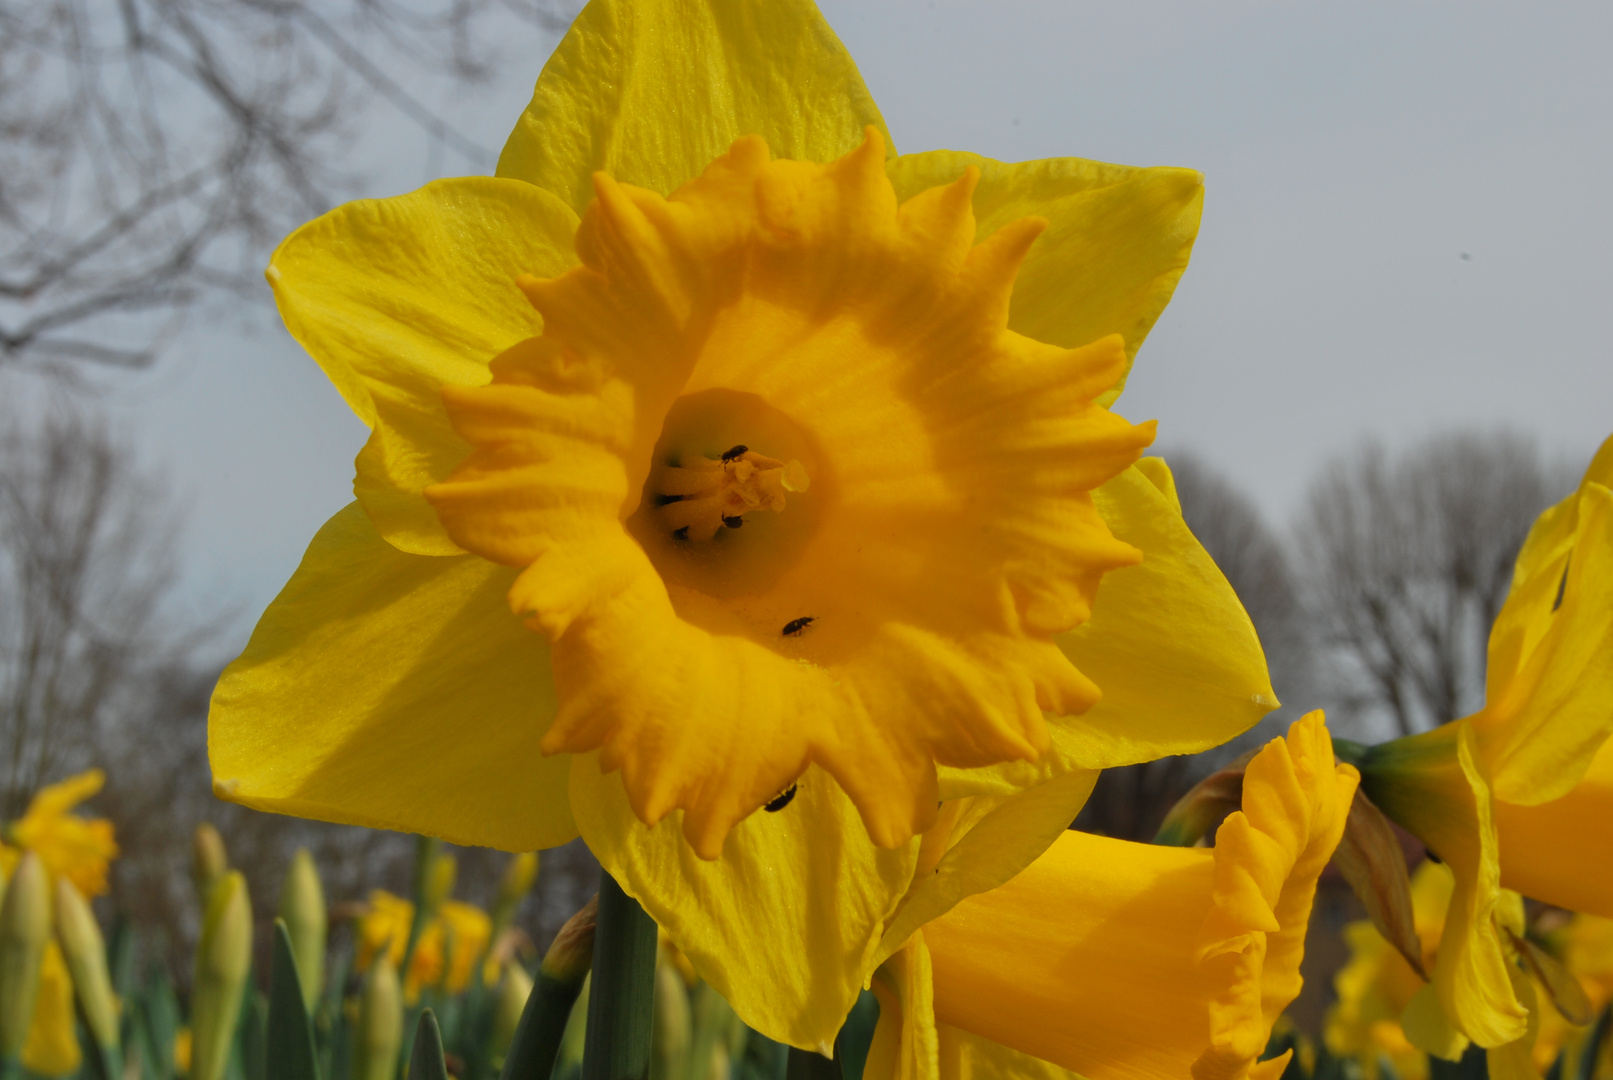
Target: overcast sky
x: 1406, y: 229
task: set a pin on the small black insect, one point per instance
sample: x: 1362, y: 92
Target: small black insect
x: 681, y: 534
x: 781, y: 800
x: 737, y: 451
x: 733, y: 522
x: 794, y: 627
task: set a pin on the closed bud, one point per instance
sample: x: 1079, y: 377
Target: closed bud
x: 440, y: 882
x: 223, y: 959
x: 519, y: 874
x: 85, y: 952
x: 208, y: 860
x: 670, y: 1027
x: 24, y: 930
x: 513, y: 990
x: 572, y: 953
x: 380, y: 1023
x: 302, y: 906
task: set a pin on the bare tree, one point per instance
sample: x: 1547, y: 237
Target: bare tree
x: 1407, y: 560
x: 150, y: 150
x: 1131, y: 802
x: 85, y: 560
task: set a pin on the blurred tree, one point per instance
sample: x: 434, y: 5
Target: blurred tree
x: 1406, y: 560
x: 150, y: 150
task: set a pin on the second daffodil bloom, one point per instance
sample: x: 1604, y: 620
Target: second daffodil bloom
x: 1119, y: 960
x: 1520, y: 794
x: 76, y: 848
x: 737, y: 496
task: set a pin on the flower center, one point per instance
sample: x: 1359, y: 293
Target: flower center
x: 699, y: 495
x: 735, y: 491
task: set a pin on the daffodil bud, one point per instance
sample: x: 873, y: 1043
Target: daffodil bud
x: 670, y: 1026
x: 519, y: 874
x: 380, y: 1023
x: 513, y: 990
x: 208, y: 859
x: 440, y: 882
x: 302, y: 906
x: 223, y: 959
x: 85, y: 952
x: 572, y: 953
x: 24, y: 930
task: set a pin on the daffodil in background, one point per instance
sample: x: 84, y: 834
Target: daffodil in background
x: 444, y: 955
x: 1520, y: 794
x: 1114, y: 959
x: 738, y: 496
x: 77, y: 848
x: 1377, y: 984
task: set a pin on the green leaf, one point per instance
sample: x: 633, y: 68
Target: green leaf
x: 426, y: 1060
x: 290, y: 1041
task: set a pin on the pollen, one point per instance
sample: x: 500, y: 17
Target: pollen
x: 701, y: 495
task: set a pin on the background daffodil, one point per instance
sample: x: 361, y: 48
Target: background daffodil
x: 893, y: 372
x: 1118, y: 959
x: 1520, y: 794
x: 76, y: 848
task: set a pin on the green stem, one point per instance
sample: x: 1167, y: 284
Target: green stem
x: 621, y: 1004
x: 543, y: 1024
x: 426, y: 850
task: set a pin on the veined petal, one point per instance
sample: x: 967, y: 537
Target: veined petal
x: 1560, y: 851
x: 1434, y: 785
x: 1117, y: 241
x: 785, y: 923
x: 1128, y: 960
x: 651, y: 91
x: 397, y: 298
x: 905, y: 1041
x: 964, y: 1055
x: 394, y: 691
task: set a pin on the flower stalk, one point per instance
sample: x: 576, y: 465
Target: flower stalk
x: 622, y: 1004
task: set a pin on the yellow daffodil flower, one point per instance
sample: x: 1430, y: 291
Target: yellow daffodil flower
x: 1520, y: 794
x: 1122, y: 960
x: 446, y: 953
x: 1377, y: 984
x: 78, y: 849
x: 52, y: 1047
x: 738, y: 492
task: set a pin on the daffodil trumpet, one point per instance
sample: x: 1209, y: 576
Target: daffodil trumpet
x: 1123, y: 960
x: 737, y: 497
x: 1518, y: 796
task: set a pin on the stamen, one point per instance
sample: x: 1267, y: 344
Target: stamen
x: 794, y: 627
x: 699, y: 496
x: 781, y: 800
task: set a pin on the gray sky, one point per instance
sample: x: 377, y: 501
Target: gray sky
x: 1353, y: 153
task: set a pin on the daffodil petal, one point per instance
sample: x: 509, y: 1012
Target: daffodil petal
x: 650, y: 91
x: 904, y: 1043
x: 1000, y: 837
x: 784, y: 923
x: 394, y: 691
x: 1117, y: 241
x: 1545, y: 719
x: 964, y: 1055
x: 1169, y: 644
x: 397, y: 298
